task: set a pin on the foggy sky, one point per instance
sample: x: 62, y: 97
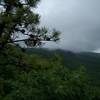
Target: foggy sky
x: 78, y: 20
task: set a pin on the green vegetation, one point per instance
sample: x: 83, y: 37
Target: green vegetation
x: 28, y: 76
x: 90, y: 60
x: 18, y: 19
x: 34, y: 77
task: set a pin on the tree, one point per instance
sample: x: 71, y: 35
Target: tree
x: 17, y: 18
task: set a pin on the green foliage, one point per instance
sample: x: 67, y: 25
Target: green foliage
x: 90, y: 60
x: 39, y: 78
x: 17, y: 18
x: 34, y: 77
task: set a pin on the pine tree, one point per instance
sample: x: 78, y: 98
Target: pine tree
x: 18, y: 19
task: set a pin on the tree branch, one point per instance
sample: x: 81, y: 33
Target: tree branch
x: 2, y: 5
x: 25, y: 40
x: 19, y: 40
x: 17, y: 4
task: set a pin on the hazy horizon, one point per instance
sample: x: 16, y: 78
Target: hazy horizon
x: 78, y: 20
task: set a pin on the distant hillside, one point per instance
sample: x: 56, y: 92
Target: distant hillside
x: 70, y: 59
x: 90, y: 60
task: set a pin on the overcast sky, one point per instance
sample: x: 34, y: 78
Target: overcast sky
x: 78, y: 20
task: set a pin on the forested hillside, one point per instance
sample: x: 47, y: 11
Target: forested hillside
x: 90, y: 60
x: 35, y: 77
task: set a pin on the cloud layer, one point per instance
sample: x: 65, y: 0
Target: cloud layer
x: 78, y: 20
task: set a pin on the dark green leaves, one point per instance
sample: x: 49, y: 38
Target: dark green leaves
x: 32, y: 3
x: 18, y: 17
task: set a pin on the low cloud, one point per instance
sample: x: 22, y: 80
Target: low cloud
x: 78, y: 20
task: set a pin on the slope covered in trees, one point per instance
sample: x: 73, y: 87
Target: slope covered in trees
x: 90, y: 60
x: 34, y: 77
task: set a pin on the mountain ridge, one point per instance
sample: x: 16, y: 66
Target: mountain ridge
x: 90, y: 60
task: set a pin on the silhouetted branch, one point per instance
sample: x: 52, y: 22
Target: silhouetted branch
x: 2, y: 5
x: 13, y: 41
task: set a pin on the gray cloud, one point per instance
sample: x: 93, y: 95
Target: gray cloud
x: 78, y: 20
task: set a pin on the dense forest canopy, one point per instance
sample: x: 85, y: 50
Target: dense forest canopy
x: 34, y: 77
